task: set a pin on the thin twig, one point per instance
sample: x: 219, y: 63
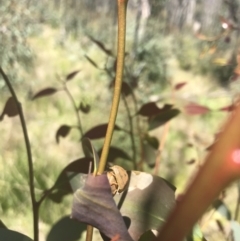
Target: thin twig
x: 131, y: 132
x: 75, y: 109
x: 29, y: 155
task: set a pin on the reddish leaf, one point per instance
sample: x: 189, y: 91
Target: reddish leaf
x: 91, y: 61
x: 62, y: 131
x: 72, y: 75
x: 85, y: 108
x: 98, y: 131
x: 93, y: 204
x: 45, y: 92
x: 227, y: 108
x: 179, y: 85
x: 101, y: 46
x: 150, y: 109
x: 196, y: 109
x: 10, y: 108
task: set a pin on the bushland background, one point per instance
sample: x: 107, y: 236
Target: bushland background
x: 194, y: 42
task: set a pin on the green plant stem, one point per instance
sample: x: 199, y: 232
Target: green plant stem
x: 140, y: 163
x: 131, y: 132
x: 122, y: 7
x: 75, y: 108
x: 29, y: 155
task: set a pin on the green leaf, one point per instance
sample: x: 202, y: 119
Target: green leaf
x: 146, y: 202
x: 66, y: 229
x: 196, y: 234
x: 150, y: 147
x: 62, y: 185
x: 2, y: 225
x: 235, y: 226
x: 9, y: 235
x: 147, y: 236
x: 162, y: 118
x: 221, y: 207
x: 90, y: 151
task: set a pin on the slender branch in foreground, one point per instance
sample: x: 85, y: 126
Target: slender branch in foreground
x: 29, y: 155
x: 122, y: 6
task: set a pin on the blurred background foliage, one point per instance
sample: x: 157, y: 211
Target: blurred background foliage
x: 168, y: 42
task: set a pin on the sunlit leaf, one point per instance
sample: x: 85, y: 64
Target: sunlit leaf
x: 221, y: 61
x: 10, y: 108
x: 150, y: 109
x: 99, y: 131
x: 45, y: 92
x: 66, y: 229
x: 235, y: 226
x: 162, y: 118
x: 178, y: 86
x: 101, y: 46
x: 85, y: 108
x: 146, y: 203
x: 93, y: 204
x: 91, y: 61
x: 221, y: 207
x: 72, y: 75
x: 195, y: 109
x: 62, y: 131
